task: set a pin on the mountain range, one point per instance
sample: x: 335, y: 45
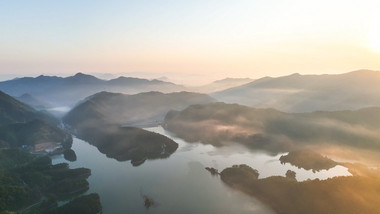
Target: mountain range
x: 60, y: 91
x: 299, y: 114
x: 220, y: 85
x: 293, y: 93
x: 307, y: 93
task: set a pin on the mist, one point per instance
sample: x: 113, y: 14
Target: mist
x: 273, y: 130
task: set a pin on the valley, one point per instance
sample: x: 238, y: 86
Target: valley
x: 141, y: 153
x: 189, y: 107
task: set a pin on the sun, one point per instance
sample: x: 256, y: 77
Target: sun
x: 374, y: 40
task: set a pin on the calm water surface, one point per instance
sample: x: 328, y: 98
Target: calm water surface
x: 180, y: 184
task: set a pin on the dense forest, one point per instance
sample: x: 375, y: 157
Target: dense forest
x: 32, y: 184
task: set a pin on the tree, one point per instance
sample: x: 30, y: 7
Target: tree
x: 291, y: 174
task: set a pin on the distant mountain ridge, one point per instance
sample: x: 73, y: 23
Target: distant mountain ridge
x: 32, y: 101
x: 66, y: 91
x: 132, y: 110
x: 307, y: 93
x: 222, y: 84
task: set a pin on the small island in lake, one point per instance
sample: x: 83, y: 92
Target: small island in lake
x: 308, y: 160
x: 70, y: 155
x: 128, y: 143
x: 148, y: 202
x: 338, y: 195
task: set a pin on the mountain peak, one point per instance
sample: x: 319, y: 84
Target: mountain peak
x: 122, y: 78
x: 26, y: 95
x: 364, y: 71
x: 43, y: 77
x: 230, y: 79
x: 295, y: 75
x: 83, y: 77
x: 80, y: 74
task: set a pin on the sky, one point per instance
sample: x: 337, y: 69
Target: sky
x: 197, y: 40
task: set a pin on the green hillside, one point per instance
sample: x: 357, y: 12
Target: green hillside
x: 33, y: 132
x: 32, y: 184
x: 13, y: 111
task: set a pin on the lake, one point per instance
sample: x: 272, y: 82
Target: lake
x: 180, y: 184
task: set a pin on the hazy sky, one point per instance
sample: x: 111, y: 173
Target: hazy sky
x: 217, y: 38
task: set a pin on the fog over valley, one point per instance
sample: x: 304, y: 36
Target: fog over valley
x: 273, y: 127
x: 207, y: 107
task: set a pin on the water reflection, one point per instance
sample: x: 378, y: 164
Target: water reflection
x: 266, y: 163
x: 179, y: 184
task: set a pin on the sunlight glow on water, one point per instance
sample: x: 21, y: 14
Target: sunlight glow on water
x: 180, y: 184
x: 266, y: 164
